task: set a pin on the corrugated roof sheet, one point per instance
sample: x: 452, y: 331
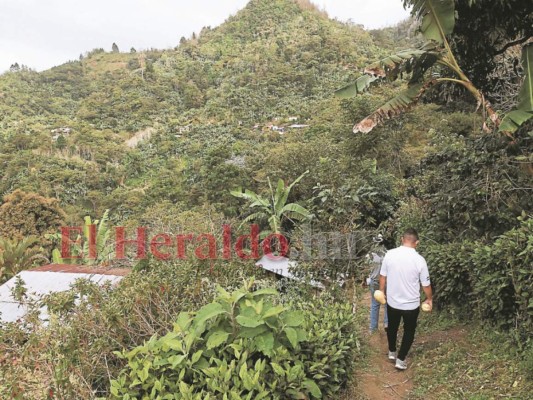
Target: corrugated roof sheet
x: 83, y: 269
x: 46, y: 280
x: 282, y: 266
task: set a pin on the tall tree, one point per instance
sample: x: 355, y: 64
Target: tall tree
x: 29, y: 214
x: 486, y: 29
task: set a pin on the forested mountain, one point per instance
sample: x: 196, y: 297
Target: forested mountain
x: 272, y: 60
x: 160, y: 138
x: 127, y: 131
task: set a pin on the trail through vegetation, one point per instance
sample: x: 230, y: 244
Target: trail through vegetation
x: 381, y: 380
x: 448, y: 360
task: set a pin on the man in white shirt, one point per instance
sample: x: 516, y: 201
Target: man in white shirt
x: 402, y: 272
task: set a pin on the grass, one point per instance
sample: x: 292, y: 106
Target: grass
x: 456, y: 361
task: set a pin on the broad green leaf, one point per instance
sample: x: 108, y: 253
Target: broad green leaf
x: 359, y: 86
x: 278, y: 196
x: 265, y: 343
x: 56, y: 257
x: 296, y: 211
x: 302, y: 335
x: 398, y: 105
x: 392, y: 65
x: 293, y: 318
x: 513, y: 120
x: 182, y: 322
x: 207, y: 312
x: 248, y: 322
x: 252, y: 332
x: 258, y: 216
x: 217, y: 338
x: 249, y: 195
x: 278, y: 369
x: 273, y: 311
x: 292, y: 336
x: 176, y: 360
x: 437, y: 18
x: 196, y: 356
x: 313, y: 388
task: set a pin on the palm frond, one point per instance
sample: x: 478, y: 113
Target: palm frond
x: 359, y: 86
x: 398, y: 105
x: 437, y: 18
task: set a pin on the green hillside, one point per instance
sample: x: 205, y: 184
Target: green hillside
x: 271, y: 61
x: 160, y: 138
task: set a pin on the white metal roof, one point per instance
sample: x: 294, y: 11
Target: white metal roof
x: 38, y: 283
x: 282, y: 266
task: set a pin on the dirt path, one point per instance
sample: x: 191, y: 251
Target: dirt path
x: 380, y: 380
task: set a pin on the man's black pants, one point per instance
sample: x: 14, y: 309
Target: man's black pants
x: 410, y: 318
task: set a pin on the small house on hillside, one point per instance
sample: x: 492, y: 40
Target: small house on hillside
x: 58, y: 132
x: 184, y: 129
x: 279, y: 129
x: 49, y: 279
x: 62, y: 131
x: 298, y: 126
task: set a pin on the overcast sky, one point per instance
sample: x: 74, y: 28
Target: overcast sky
x: 44, y: 33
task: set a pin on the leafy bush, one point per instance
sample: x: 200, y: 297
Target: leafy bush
x: 244, y: 345
x: 502, y: 275
x: 72, y: 355
x: 450, y: 273
x: 492, y: 280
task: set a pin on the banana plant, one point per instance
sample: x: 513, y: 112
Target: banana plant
x: 431, y: 64
x: 15, y: 255
x: 103, y: 248
x: 524, y: 110
x: 273, y: 210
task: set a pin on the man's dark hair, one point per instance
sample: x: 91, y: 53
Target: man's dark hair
x: 411, y: 234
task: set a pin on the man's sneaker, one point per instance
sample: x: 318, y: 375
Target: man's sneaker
x: 392, y: 355
x: 401, y: 364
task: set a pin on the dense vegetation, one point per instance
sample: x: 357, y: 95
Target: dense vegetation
x: 162, y: 138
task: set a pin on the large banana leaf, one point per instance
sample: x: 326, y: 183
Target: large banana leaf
x: 250, y: 196
x: 422, y: 64
x: 258, y: 216
x: 398, y: 105
x: 281, y: 191
x: 395, y: 63
x: 296, y: 211
x: 411, y: 60
x: 359, y: 86
x: 524, y: 109
x: 437, y: 17
x: 280, y: 201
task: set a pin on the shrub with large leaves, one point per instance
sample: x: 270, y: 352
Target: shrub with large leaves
x: 244, y: 345
x: 489, y: 281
